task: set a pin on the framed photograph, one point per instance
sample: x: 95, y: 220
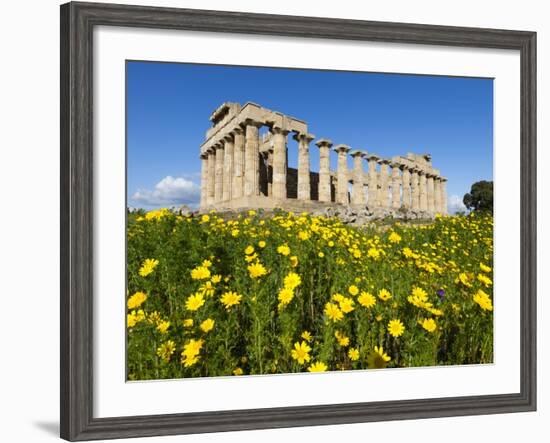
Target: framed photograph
x: 272, y: 221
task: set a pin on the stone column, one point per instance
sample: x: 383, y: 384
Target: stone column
x: 415, y: 188
x: 430, y: 193
x: 342, y: 185
x: 218, y: 190
x: 204, y: 179
x: 238, y: 163
x: 228, y: 168
x: 324, y: 169
x: 406, y: 177
x: 437, y: 195
x: 304, y: 185
x: 384, y: 192
x: 444, y: 195
x: 373, y: 181
x: 395, y: 186
x: 423, y: 191
x: 252, y: 159
x: 211, y: 176
x: 279, y: 162
x: 358, y: 194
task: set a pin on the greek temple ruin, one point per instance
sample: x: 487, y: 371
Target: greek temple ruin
x: 241, y: 168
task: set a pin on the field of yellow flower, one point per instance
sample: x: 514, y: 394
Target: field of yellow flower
x: 259, y: 294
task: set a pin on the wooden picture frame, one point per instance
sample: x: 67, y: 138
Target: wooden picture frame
x: 77, y: 23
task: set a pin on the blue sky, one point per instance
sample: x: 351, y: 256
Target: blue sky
x: 168, y: 106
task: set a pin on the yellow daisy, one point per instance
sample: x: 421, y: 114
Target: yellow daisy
x: 257, y: 270
x: 333, y: 312
x: 396, y: 328
x: 136, y: 300
x: 317, y: 367
x: 230, y: 299
x: 429, y: 324
x: 194, y: 302
x: 301, y: 352
x: 148, y: 266
x: 367, y: 300
x: 353, y: 354
x: 207, y: 325
x: 384, y: 295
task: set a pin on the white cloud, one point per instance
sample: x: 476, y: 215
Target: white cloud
x: 169, y: 191
x: 455, y: 204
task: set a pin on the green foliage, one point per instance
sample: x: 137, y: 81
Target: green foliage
x: 450, y: 260
x: 480, y: 197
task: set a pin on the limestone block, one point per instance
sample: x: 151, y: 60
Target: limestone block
x: 238, y: 162
x: 218, y: 190
x: 252, y: 159
x: 406, y: 184
x: 423, y: 191
x: 372, y: 200
x: 415, y: 188
x: 279, y: 162
x: 437, y: 195
x: 430, y: 193
x: 324, y: 170
x: 211, y: 176
x: 342, y: 184
x: 358, y: 196
x: 228, y: 168
x: 395, y: 186
x: 304, y: 184
x: 384, y: 188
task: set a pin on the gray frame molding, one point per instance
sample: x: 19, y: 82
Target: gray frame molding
x: 77, y: 23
